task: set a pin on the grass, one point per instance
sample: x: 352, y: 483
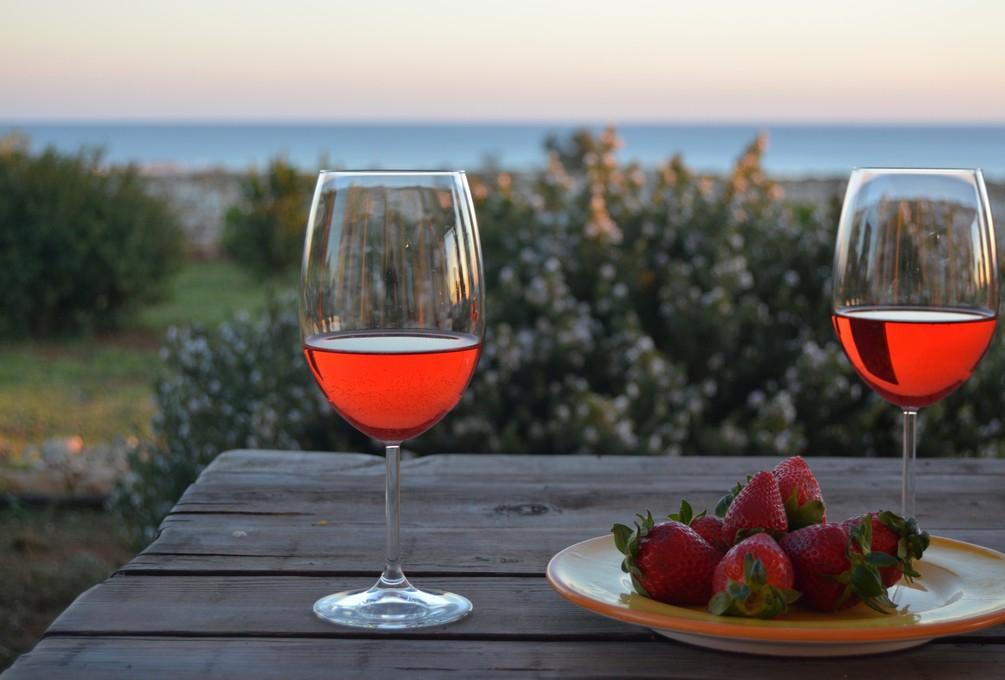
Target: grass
x: 100, y: 386
x: 67, y: 388
x: 48, y: 557
x: 206, y: 293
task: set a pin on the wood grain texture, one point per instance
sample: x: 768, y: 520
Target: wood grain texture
x: 228, y: 606
x: 960, y: 501
x: 249, y: 606
x: 300, y: 465
x: 225, y: 590
x: 294, y: 544
x: 172, y: 658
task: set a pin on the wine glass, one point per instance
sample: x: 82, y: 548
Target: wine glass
x: 915, y: 287
x: 392, y: 325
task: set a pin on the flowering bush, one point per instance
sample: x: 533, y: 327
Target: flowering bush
x: 628, y: 312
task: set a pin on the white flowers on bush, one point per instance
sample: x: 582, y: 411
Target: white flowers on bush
x: 627, y: 313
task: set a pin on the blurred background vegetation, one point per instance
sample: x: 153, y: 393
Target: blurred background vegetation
x: 659, y: 312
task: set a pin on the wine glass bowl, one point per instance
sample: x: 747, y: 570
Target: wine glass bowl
x: 915, y: 298
x: 392, y: 325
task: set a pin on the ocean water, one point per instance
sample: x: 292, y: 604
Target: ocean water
x: 793, y: 150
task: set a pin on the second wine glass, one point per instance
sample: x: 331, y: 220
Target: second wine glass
x: 392, y: 325
x: 915, y: 287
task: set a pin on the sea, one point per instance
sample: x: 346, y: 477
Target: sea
x: 793, y: 150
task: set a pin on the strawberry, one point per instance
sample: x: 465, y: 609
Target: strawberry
x: 800, y: 490
x: 835, y: 568
x: 896, y: 537
x: 709, y: 528
x: 758, y: 507
x: 668, y: 562
x: 754, y: 579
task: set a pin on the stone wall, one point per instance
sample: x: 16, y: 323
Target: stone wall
x: 201, y: 201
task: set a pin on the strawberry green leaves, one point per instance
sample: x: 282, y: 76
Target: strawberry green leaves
x: 810, y: 512
x: 722, y: 507
x: 911, y: 544
x: 863, y: 579
x: 753, y: 597
x: 626, y: 540
x: 686, y: 514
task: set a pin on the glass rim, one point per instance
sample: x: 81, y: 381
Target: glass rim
x: 389, y: 173
x: 917, y: 170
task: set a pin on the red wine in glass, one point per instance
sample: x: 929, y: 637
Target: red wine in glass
x: 915, y: 287
x: 391, y: 385
x: 913, y: 357
x: 391, y: 319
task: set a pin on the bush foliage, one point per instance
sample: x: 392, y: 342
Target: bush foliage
x: 264, y: 232
x: 241, y: 384
x: 628, y: 312
x: 80, y: 243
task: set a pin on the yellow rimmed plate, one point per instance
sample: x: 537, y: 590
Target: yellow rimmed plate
x: 961, y: 589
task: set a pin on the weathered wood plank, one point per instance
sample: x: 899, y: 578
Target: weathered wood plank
x: 967, y: 500
x: 263, y: 544
x: 235, y: 606
x: 156, y: 658
x: 261, y: 463
x: 229, y: 606
x: 274, y: 544
x: 448, y: 464
x: 299, y: 466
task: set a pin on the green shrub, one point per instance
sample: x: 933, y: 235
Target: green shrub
x: 628, y: 312
x: 81, y: 244
x: 265, y: 231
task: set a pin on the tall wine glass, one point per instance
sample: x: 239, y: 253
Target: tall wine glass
x: 392, y: 326
x: 915, y: 287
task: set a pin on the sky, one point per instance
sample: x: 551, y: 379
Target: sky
x: 443, y: 60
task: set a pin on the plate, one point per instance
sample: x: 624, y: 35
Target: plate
x: 961, y: 589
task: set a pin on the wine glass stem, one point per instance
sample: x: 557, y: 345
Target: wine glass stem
x: 907, y: 478
x: 392, y: 576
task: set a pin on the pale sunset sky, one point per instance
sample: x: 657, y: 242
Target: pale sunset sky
x: 623, y: 60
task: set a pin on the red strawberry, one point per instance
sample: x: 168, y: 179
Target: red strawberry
x: 709, y: 528
x: 668, y: 562
x: 835, y: 568
x: 758, y: 507
x: 800, y: 490
x: 754, y: 579
x: 899, y: 538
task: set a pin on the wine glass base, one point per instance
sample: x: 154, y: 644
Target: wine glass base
x: 392, y: 608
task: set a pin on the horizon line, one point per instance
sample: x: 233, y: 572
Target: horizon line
x: 513, y: 122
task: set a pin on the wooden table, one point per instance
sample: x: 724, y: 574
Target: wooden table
x: 226, y: 590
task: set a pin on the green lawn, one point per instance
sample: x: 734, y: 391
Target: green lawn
x: 100, y: 386
x: 205, y: 292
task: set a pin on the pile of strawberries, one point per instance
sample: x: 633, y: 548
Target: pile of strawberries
x: 770, y: 545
